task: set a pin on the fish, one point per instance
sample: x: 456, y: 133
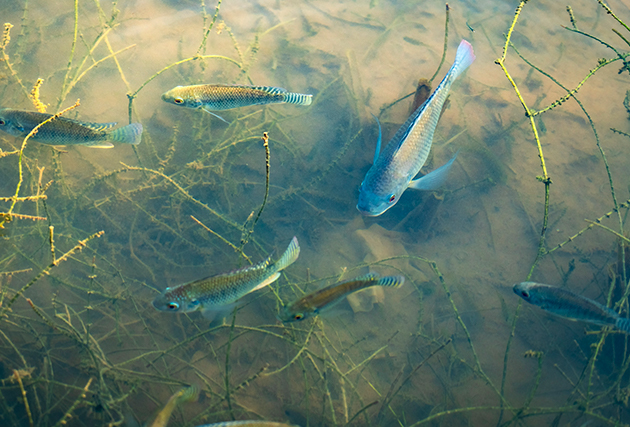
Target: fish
x: 249, y: 423
x: 212, y: 97
x: 393, y: 170
x: 570, y: 305
x: 322, y: 300
x: 186, y: 394
x: 63, y: 131
x: 218, y: 292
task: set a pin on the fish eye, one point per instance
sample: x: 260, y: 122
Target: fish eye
x: 298, y: 316
x: 172, y: 305
x: 2, y: 122
x: 178, y: 101
x: 392, y: 198
x: 524, y: 294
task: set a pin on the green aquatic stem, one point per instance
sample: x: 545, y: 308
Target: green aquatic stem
x: 7, y: 215
x: 445, y: 44
x: 202, y: 46
x: 74, y: 43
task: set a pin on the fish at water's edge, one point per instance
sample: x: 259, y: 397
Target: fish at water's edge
x: 564, y: 303
x: 403, y: 157
x: 222, y: 290
x: 224, y: 97
x: 325, y: 298
x: 63, y: 131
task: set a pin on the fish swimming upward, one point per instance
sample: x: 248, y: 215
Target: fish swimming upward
x: 63, y: 131
x: 403, y: 157
x: 220, y: 291
x: 224, y: 97
x: 567, y: 304
x: 325, y: 298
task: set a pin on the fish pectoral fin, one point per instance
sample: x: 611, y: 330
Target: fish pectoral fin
x: 266, y: 282
x: 215, y: 115
x: 377, y: 151
x: 435, y: 179
x: 216, y: 314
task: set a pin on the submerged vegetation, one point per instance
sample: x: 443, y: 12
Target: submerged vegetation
x: 90, y: 239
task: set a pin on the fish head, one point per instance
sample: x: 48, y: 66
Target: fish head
x: 527, y: 291
x: 182, y: 96
x: 374, y: 201
x: 10, y: 124
x: 169, y: 301
x: 292, y: 314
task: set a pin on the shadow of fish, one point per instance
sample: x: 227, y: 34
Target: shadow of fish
x: 63, y: 131
x: 567, y: 304
x: 225, y: 97
x: 403, y: 157
x: 221, y: 291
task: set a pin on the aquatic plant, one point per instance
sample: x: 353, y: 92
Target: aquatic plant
x: 80, y: 343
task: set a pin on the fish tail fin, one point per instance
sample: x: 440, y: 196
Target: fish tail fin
x: 188, y: 394
x: 289, y: 256
x: 464, y: 57
x: 391, y: 281
x: 130, y: 134
x: 298, y: 98
x: 623, y: 324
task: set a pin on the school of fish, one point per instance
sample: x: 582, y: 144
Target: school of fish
x: 394, y: 170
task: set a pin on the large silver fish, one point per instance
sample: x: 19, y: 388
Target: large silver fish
x: 403, y: 157
x: 63, y: 131
x: 222, y: 290
x: 564, y: 303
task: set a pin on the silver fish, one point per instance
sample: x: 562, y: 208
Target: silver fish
x: 224, y: 97
x: 403, y: 157
x: 564, y: 303
x: 63, y: 131
x: 222, y: 290
x: 320, y: 301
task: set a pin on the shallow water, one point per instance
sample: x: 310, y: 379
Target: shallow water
x: 460, y: 249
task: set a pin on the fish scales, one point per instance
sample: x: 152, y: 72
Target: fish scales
x: 327, y: 297
x: 64, y: 131
x: 565, y: 303
x: 405, y: 154
x: 224, y: 97
x: 225, y: 289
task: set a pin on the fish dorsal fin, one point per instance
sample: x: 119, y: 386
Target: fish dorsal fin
x: 369, y: 276
x: 271, y: 90
x: 266, y: 282
x: 98, y: 127
x: 377, y: 151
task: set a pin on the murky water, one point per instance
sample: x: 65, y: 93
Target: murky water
x: 444, y: 349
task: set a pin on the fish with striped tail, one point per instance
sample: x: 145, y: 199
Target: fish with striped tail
x: 63, y: 131
x: 393, y: 170
x: 324, y: 299
x: 215, y: 293
x: 567, y: 304
x: 225, y: 97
